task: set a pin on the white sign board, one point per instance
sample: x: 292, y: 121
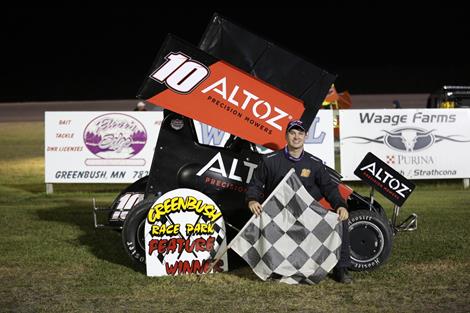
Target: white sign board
x: 117, y: 147
x: 99, y: 147
x: 418, y: 143
x: 184, y: 230
x: 319, y: 142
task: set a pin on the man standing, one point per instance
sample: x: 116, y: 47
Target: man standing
x: 314, y: 177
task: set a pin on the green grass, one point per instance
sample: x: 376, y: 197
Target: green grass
x: 52, y: 260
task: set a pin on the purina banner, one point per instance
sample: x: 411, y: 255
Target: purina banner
x: 117, y: 147
x: 418, y: 143
x: 195, y: 84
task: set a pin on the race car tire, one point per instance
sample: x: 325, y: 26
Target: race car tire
x: 133, y: 233
x: 371, y: 240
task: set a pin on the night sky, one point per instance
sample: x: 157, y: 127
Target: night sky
x: 89, y: 53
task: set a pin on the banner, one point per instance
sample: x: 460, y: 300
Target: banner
x: 418, y: 143
x: 190, y: 82
x: 384, y: 179
x: 99, y: 147
x: 184, y: 230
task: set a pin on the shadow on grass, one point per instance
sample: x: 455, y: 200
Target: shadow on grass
x: 103, y: 243
x: 106, y: 244
x: 31, y: 188
x: 35, y: 187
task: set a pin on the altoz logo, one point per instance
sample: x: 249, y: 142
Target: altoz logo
x: 217, y: 159
x: 387, y: 179
x: 408, y: 139
x: 260, y: 108
x: 180, y: 73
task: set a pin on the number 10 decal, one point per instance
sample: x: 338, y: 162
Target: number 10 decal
x: 180, y: 73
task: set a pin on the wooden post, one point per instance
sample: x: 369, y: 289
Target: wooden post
x: 49, y: 189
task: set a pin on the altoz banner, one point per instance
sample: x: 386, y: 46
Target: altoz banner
x: 193, y: 83
x: 184, y: 230
x: 419, y: 144
x: 384, y: 179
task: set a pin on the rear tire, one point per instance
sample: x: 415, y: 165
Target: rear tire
x: 371, y: 240
x: 133, y: 232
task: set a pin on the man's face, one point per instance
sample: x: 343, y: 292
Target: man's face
x: 295, y: 138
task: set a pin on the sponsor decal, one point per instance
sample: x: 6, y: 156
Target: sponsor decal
x: 192, y: 83
x: 216, y: 165
x: 115, y: 138
x: 384, y: 179
x: 177, y: 123
x: 183, y: 232
x: 126, y: 202
x: 305, y: 172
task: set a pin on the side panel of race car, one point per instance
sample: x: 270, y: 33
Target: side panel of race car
x: 220, y: 173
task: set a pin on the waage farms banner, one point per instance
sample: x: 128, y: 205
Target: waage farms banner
x: 189, y: 81
x: 418, y: 143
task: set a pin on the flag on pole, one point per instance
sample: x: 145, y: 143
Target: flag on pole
x: 294, y: 240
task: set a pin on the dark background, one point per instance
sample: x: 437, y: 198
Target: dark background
x: 89, y: 53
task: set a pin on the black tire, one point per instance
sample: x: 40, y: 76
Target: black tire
x: 133, y: 232
x: 371, y: 240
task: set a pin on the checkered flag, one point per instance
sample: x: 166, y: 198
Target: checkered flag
x: 294, y: 240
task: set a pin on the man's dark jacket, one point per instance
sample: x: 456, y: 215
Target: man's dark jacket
x: 311, y: 171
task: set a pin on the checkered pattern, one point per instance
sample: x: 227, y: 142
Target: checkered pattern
x: 294, y: 240
x: 220, y: 240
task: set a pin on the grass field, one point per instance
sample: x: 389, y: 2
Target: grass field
x: 52, y: 260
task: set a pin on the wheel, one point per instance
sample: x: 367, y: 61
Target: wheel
x: 371, y: 239
x: 133, y: 232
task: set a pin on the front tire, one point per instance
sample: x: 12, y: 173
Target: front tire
x: 371, y: 240
x: 133, y: 233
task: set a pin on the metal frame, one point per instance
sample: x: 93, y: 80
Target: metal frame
x: 409, y: 224
x: 96, y: 211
